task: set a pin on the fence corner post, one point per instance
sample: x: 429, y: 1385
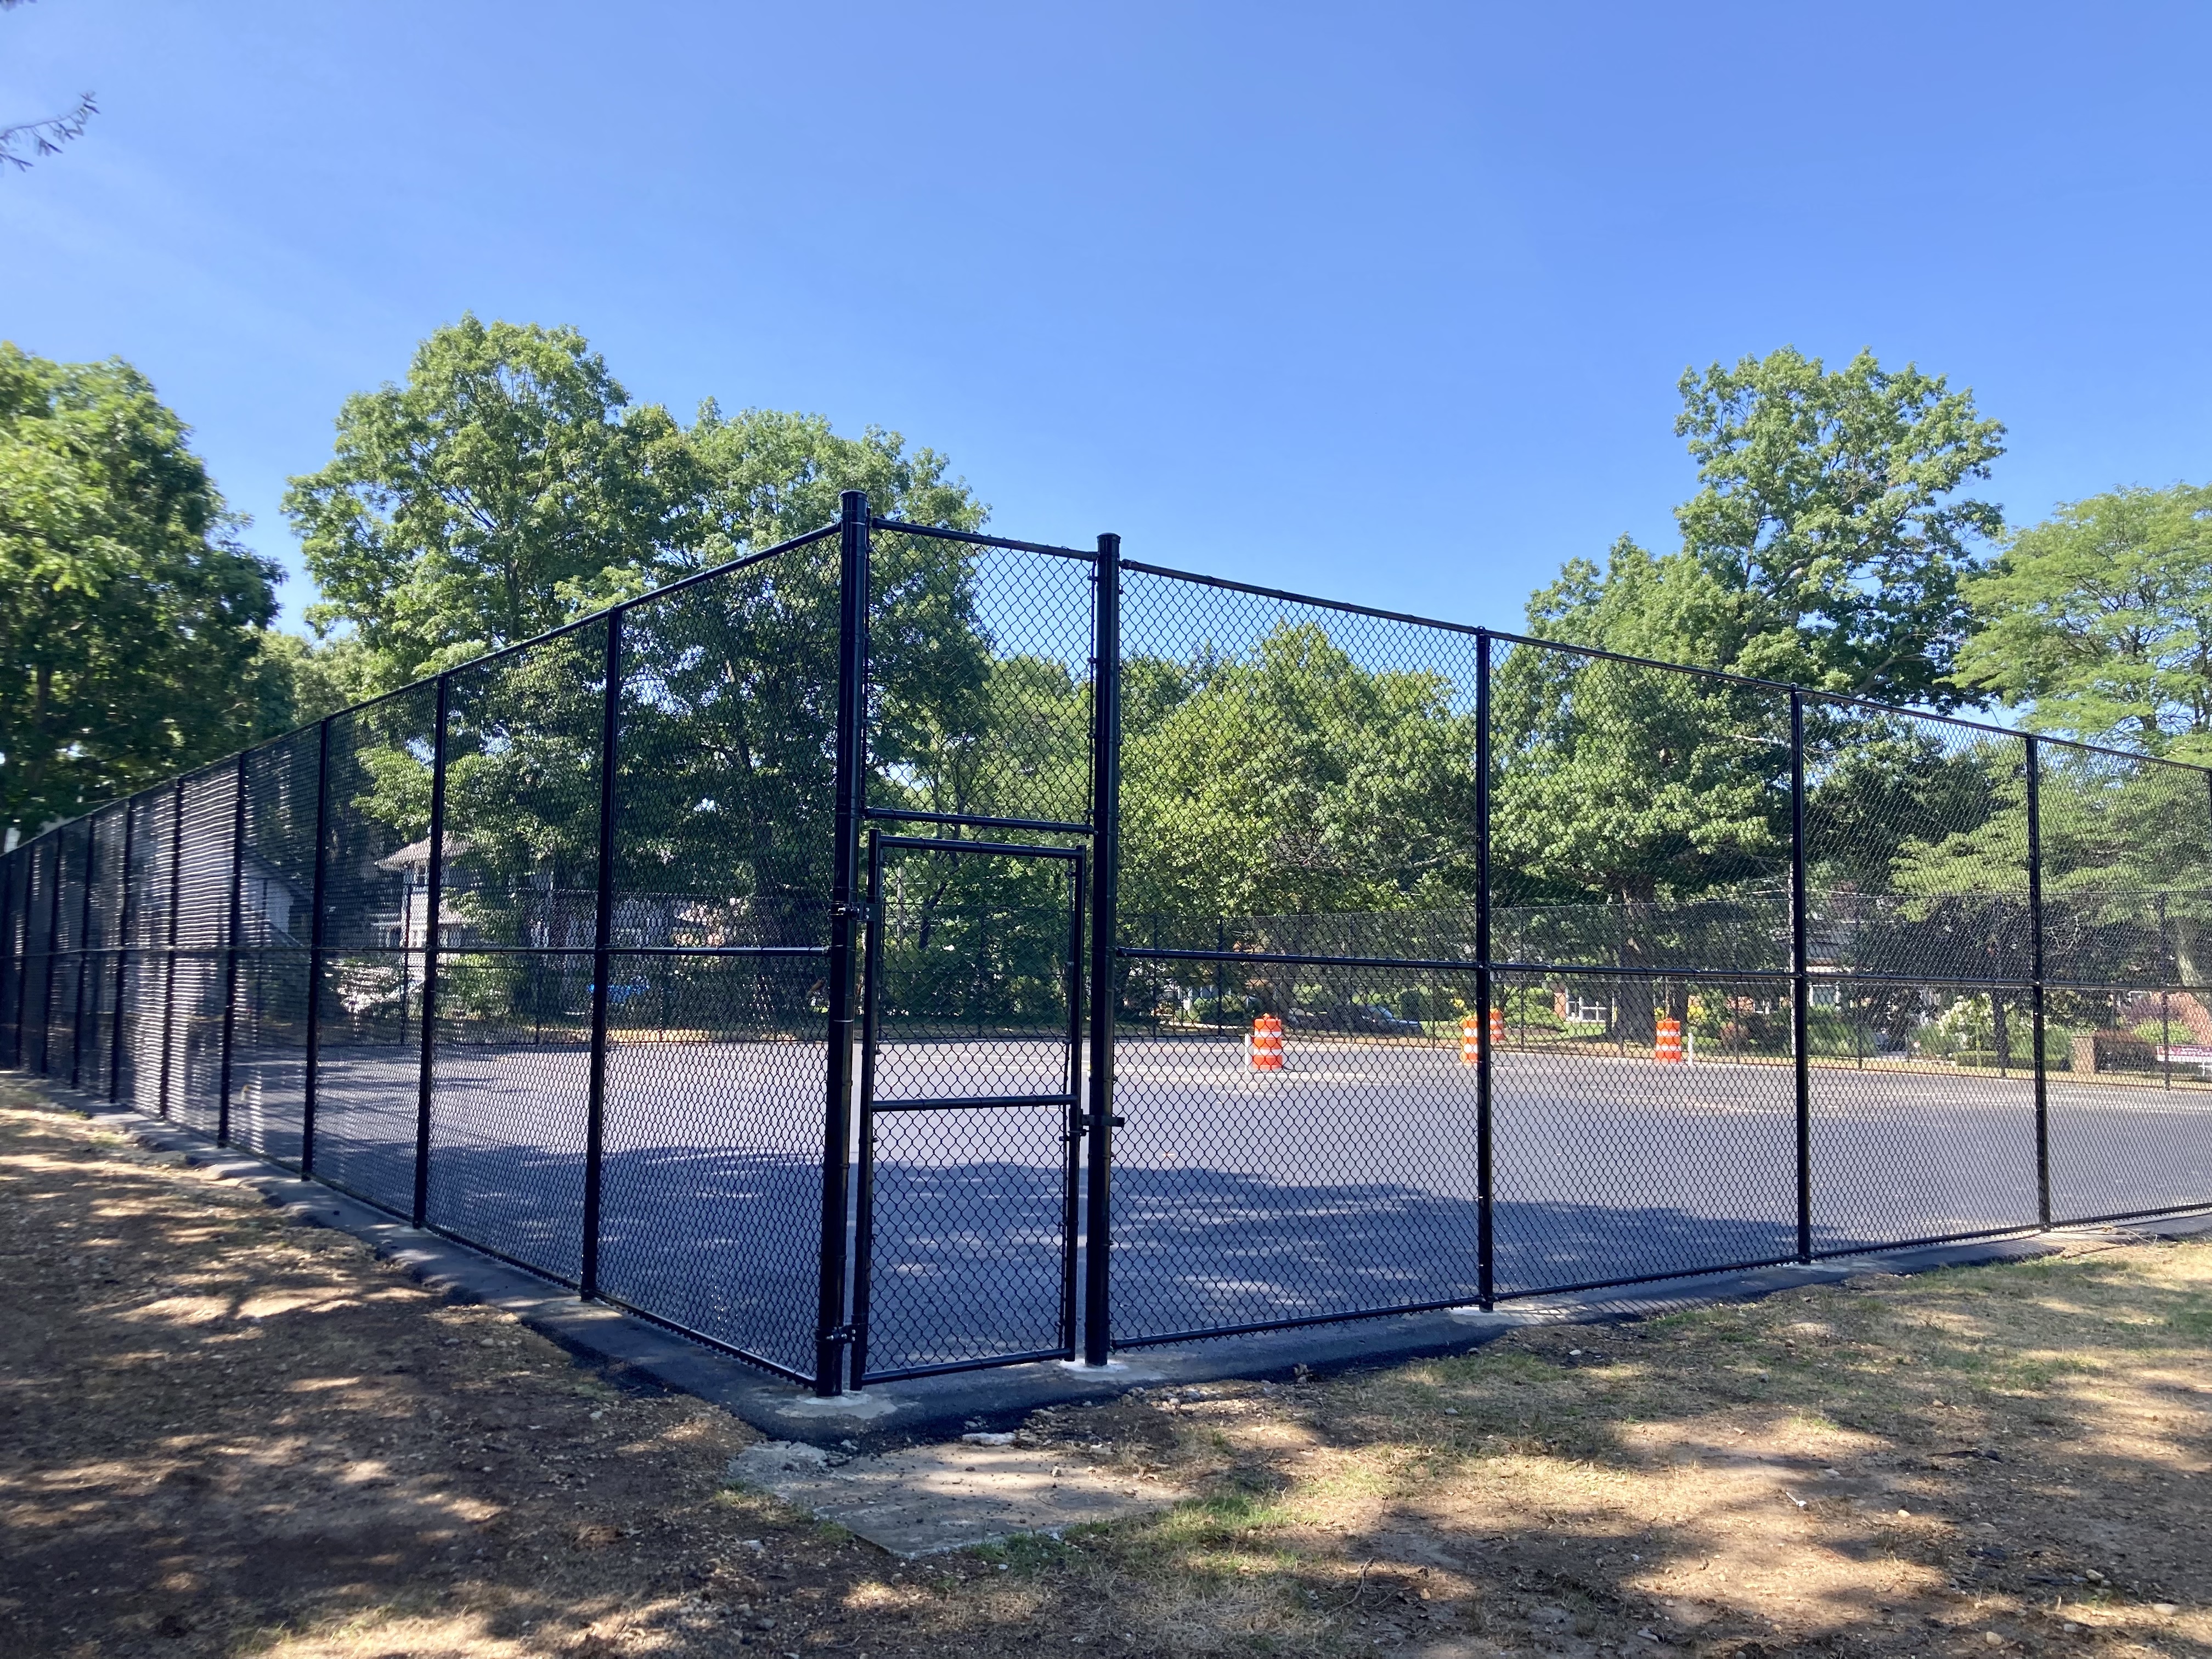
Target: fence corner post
x: 1486, y: 1230
x: 1105, y: 878
x: 830, y: 1334
x: 1800, y: 978
x: 2033, y: 762
x: 1485, y: 992
x: 587, y: 1272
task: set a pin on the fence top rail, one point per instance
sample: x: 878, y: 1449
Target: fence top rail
x: 979, y: 540
x: 1475, y: 631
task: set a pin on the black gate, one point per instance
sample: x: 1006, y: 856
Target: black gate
x: 969, y: 1130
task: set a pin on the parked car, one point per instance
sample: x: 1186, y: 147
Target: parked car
x: 1375, y: 1017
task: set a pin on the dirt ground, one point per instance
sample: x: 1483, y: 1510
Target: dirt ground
x: 225, y: 1433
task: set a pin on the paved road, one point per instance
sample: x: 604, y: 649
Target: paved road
x: 1348, y: 1180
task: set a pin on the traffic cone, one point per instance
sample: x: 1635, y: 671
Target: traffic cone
x: 1667, y: 1044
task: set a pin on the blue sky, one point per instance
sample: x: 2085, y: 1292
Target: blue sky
x: 1381, y: 301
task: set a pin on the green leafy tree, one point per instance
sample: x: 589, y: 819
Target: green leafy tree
x: 1294, y: 781
x: 1829, y: 514
x: 731, y: 737
x: 509, y: 487
x: 2097, y: 622
x: 131, y: 620
x: 768, y: 475
x: 508, y: 484
x: 1825, y: 546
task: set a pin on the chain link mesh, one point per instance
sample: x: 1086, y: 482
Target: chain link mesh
x: 2126, y: 852
x: 973, y: 972
x: 276, y: 896
x: 1303, y: 1037
x: 376, y: 921
x: 716, y: 1060
x: 518, y: 916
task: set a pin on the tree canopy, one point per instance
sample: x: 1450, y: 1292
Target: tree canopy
x: 1292, y: 779
x: 130, y: 617
x: 2097, y: 623
x: 1826, y: 544
x: 476, y: 505
x: 511, y: 485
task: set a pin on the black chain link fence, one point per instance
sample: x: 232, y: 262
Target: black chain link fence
x: 904, y: 949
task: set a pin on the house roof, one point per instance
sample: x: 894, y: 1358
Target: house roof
x: 415, y: 855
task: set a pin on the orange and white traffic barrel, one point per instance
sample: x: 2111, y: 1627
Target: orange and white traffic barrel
x: 1470, y: 1036
x: 1265, y: 1046
x: 1667, y: 1044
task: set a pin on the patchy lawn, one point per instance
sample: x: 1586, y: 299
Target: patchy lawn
x: 228, y: 1434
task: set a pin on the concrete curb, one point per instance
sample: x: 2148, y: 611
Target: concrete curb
x: 633, y: 1351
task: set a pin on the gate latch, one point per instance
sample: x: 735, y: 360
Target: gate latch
x: 1085, y: 1122
x: 845, y: 1333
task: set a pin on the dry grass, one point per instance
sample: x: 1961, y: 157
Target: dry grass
x: 227, y: 1434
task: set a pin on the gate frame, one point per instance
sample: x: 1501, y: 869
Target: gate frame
x: 1069, y: 1101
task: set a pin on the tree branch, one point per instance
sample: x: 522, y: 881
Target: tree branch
x: 26, y: 141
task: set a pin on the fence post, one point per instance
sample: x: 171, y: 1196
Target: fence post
x: 232, y: 926
x: 2035, y: 761
x: 587, y: 1273
x: 1799, y: 979
x: 1485, y: 992
x: 435, y: 908
x: 169, y: 976
x: 122, y: 955
x: 315, y: 1034
x: 28, y: 852
x: 1105, y: 889
x: 83, y: 949
x: 831, y: 1333
x: 8, y: 955
x: 53, y: 954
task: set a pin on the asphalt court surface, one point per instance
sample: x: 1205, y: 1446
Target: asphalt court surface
x: 1346, y: 1182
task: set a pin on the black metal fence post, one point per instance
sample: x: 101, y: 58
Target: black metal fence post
x: 831, y: 1334
x: 83, y: 949
x: 587, y: 1273
x: 433, y: 898
x: 1105, y: 878
x: 28, y: 853
x: 53, y: 957
x: 314, y: 1032
x: 122, y: 953
x: 1485, y: 1147
x: 169, y: 955
x: 1073, y: 1118
x: 2034, y: 763
x: 1800, y: 982
x: 10, y: 958
x: 233, y: 925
